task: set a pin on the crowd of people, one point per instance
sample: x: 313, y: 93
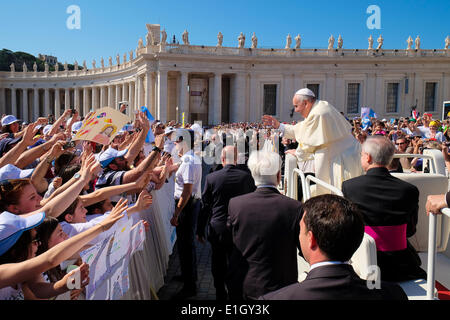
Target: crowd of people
x: 60, y: 196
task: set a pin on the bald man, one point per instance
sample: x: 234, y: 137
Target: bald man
x: 220, y: 187
x: 326, y: 147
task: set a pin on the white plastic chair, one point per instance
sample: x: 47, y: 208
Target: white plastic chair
x: 432, y: 252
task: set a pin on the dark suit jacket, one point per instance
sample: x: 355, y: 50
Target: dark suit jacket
x: 220, y: 187
x: 388, y: 201
x: 265, y: 229
x: 336, y: 282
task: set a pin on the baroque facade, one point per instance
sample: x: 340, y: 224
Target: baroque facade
x: 234, y: 84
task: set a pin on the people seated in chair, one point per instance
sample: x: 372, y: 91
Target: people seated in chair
x: 331, y: 230
x: 390, y: 210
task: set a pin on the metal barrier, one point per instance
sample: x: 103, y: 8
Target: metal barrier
x: 322, y: 184
x: 431, y: 277
x: 433, y: 167
x: 294, y: 185
x: 306, y: 187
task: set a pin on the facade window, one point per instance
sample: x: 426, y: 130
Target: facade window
x: 270, y: 99
x: 392, y: 98
x: 430, y: 96
x: 314, y: 87
x: 353, y: 98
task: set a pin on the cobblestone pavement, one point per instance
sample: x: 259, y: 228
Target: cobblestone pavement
x: 205, y: 283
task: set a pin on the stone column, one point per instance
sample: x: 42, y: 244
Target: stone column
x: 76, y: 100
x: 94, y: 98
x: 2, y: 101
x: 149, y: 85
x: 238, y: 98
x: 25, y: 116
x: 125, y: 92
x: 118, y: 96
x: 57, y: 104
x: 102, y: 97
x: 67, y: 99
x: 13, y: 102
x: 162, y: 95
x: 183, y: 104
x: 130, y: 98
x: 255, y: 107
x: 110, y: 97
x: 139, y: 92
x: 47, y: 102
x: 36, y: 104
x: 217, y: 99
x: 86, y: 107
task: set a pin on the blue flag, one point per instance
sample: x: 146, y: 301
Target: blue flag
x: 368, y: 112
x: 150, y: 137
x: 365, y: 123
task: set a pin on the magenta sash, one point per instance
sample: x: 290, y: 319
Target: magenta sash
x: 388, y: 238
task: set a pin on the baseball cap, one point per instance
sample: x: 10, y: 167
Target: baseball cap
x: 5, y: 143
x: 7, y: 120
x: 109, y: 155
x: 11, y: 172
x: 13, y: 226
x: 169, y: 130
x: 305, y: 92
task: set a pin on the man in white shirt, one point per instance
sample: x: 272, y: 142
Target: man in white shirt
x: 187, y: 205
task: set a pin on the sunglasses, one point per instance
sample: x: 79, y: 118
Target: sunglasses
x: 397, y: 144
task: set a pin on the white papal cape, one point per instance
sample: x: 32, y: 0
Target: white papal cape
x: 325, y: 137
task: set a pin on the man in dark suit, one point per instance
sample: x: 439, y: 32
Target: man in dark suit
x: 331, y: 230
x: 390, y: 211
x: 264, y: 227
x: 220, y: 187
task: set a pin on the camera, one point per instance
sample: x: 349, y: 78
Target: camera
x: 69, y: 145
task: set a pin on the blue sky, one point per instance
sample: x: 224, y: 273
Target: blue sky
x: 114, y: 27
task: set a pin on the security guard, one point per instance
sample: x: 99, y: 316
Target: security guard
x: 187, y: 205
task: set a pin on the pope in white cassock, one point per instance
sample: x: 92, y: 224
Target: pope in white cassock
x: 326, y: 146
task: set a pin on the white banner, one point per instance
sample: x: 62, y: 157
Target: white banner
x: 108, y: 261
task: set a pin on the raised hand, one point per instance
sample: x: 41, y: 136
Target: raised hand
x: 270, y: 121
x: 28, y: 136
x: 57, y: 149
x: 115, y: 215
x: 41, y: 121
x: 83, y: 270
x: 144, y: 201
x: 87, y: 165
x: 159, y: 141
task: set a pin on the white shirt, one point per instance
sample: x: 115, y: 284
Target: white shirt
x: 425, y: 131
x: 326, y: 263
x: 189, y: 172
x: 72, y: 229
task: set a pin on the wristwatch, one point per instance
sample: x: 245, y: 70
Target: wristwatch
x: 77, y: 176
x: 155, y: 148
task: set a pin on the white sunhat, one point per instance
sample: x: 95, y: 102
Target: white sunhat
x: 305, y: 92
x: 13, y: 226
x: 77, y: 126
x: 47, y: 129
x: 109, y: 155
x: 10, y: 172
x: 7, y: 120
